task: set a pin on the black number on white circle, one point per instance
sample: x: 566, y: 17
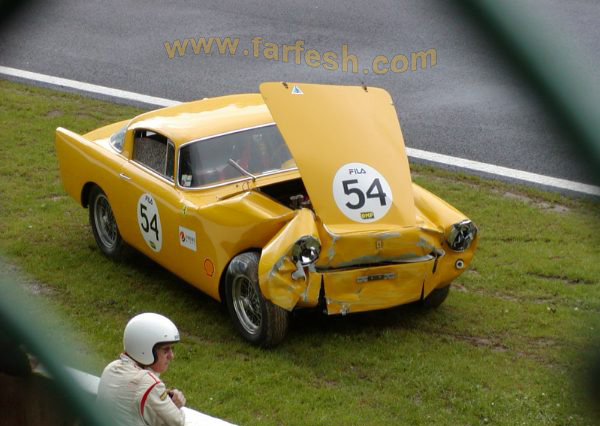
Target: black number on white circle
x: 379, y: 194
x: 145, y: 225
x: 374, y: 191
x: 347, y: 190
x: 148, y: 225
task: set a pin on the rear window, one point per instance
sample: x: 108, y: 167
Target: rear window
x: 228, y: 157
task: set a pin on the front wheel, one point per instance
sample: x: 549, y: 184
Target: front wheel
x: 104, y: 225
x: 436, y: 297
x: 258, y: 320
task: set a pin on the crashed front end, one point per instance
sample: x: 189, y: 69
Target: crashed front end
x: 306, y: 264
x: 370, y: 238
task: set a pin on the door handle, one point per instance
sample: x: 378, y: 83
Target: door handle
x: 124, y: 176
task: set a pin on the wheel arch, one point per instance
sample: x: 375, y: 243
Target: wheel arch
x: 223, y: 276
x: 85, y: 193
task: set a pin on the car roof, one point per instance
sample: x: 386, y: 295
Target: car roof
x: 190, y: 121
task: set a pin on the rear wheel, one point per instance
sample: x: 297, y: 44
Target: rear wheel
x: 104, y: 225
x: 436, y: 297
x: 258, y: 320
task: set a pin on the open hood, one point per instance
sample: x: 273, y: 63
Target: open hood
x: 348, y: 146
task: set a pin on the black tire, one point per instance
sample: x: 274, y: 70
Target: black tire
x: 106, y: 233
x: 258, y: 320
x: 436, y: 297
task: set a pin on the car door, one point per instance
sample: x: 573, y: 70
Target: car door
x: 151, y: 198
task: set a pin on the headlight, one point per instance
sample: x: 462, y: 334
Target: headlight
x: 306, y: 250
x: 461, y: 235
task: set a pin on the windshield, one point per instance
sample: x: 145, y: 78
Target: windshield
x: 256, y: 151
x: 117, y: 139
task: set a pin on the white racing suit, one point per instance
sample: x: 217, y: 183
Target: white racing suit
x: 135, y: 396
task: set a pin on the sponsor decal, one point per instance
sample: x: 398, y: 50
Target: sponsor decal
x: 187, y: 238
x: 149, y: 221
x: 186, y: 180
x: 367, y: 215
x: 361, y: 193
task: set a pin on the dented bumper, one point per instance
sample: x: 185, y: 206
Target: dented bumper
x: 373, y: 288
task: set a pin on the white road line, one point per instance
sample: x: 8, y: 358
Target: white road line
x: 86, y: 87
x: 412, y: 152
x: 463, y: 163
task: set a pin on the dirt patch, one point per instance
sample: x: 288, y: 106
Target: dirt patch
x: 483, y: 342
x: 507, y: 297
x: 562, y: 279
x: 54, y: 113
x: 37, y: 289
x: 477, y: 341
x: 520, y: 239
x: 324, y: 383
x: 544, y: 342
x: 544, y: 205
x: 53, y: 197
x: 459, y: 288
x: 83, y: 116
x: 29, y: 285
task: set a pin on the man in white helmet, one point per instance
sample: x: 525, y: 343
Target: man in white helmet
x: 130, y: 387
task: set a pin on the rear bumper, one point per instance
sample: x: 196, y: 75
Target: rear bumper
x: 367, y: 289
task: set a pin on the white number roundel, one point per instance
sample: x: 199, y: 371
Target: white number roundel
x: 361, y: 192
x: 149, y: 221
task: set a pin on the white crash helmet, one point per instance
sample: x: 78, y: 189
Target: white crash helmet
x: 143, y: 332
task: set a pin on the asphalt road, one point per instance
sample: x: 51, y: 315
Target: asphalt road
x: 471, y: 104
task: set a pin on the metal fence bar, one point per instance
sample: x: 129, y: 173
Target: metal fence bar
x: 553, y: 66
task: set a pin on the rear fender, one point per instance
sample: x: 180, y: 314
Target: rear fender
x: 69, y: 147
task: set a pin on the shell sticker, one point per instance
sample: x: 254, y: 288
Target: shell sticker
x: 149, y: 221
x: 361, y: 193
x: 209, y: 267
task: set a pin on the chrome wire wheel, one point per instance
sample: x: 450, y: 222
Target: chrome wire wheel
x: 246, y: 302
x: 257, y: 319
x: 106, y: 226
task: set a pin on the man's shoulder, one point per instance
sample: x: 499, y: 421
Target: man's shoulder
x: 123, y: 367
x: 112, y: 366
x: 152, y: 388
x: 149, y: 377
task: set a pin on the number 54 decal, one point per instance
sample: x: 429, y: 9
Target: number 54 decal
x: 361, y: 193
x: 374, y: 191
x: 149, y: 221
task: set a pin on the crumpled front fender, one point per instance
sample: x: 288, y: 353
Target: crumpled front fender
x: 281, y: 280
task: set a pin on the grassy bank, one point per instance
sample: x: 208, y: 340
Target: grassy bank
x: 506, y: 348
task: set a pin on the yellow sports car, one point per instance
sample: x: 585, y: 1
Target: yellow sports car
x: 297, y: 197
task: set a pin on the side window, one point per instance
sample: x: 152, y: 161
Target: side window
x: 154, y: 151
